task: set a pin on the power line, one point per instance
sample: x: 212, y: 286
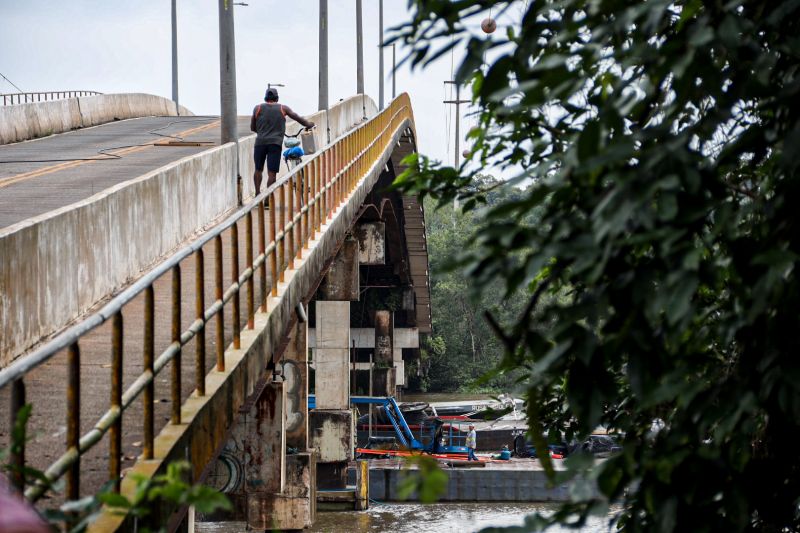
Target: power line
x: 12, y: 83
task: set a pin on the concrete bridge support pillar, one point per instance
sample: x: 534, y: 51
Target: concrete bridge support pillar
x: 383, y: 373
x: 279, y: 488
x: 270, y: 488
x: 264, y: 447
x: 294, y: 506
x: 331, y: 423
x: 294, y: 368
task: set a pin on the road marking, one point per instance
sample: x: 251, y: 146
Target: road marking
x: 5, y: 182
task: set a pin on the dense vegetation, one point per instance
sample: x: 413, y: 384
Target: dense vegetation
x: 662, y: 140
x: 463, y: 348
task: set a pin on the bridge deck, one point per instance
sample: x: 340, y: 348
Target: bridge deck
x: 46, y: 385
x: 339, y: 179
x: 45, y: 174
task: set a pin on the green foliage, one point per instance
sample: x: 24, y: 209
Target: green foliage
x: 661, y: 138
x: 76, y: 516
x: 169, y: 488
x: 423, y: 478
x: 19, y: 436
x: 381, y: 298
x: 463, y: 348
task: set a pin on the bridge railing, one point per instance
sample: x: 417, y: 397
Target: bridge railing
x: 307, y: 198
x: 27, y: 98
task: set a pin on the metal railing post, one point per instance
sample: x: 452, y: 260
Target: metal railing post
x: 282, y: 238
x: 218, y: 294
x: 115, y: 432
x: 17, y: 459
x: 237, y: 339
x: 301, y: 214
x: 326, y: 176
x: 248, y: 253
x: 175, y: 382
x: 273, y: 239
x: 291, y: 217
x: 309, y: 213
x: 148, y: 356
x: 319, y: 194
x: 200, y: 313
x: 74, y: 419
x: 262, y: 246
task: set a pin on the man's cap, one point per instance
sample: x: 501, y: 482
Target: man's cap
x: 472, y: 425
x: 272, y: 94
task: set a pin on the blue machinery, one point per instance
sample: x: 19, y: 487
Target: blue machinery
x: 401, y: 429
x: 404, y: 434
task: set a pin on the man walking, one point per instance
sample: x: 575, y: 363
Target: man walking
x: 269, y: 123
x: 472, y: 439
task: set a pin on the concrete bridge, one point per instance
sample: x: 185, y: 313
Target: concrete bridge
x: 166, y: 312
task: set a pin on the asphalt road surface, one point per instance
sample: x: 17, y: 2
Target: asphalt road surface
x: 45, y: 174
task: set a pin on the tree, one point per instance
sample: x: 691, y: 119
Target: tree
x: 662, y: 141
x: 468, y: 347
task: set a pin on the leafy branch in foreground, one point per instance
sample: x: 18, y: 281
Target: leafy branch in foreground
x: 661, y: 138
x: 76, y: 516
x: 422, y: 477
x: 170, y: 488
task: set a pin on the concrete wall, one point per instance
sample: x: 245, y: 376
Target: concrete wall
x: 529, y: 484
x: 30, y: 121
x: 56, y: 266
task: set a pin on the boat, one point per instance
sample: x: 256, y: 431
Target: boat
x: 497, y: 422
x: 503, y: 404
x: 413, y: 413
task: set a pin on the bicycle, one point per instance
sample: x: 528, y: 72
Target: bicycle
x: 293, y: 157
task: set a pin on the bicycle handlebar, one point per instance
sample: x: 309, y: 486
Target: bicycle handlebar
x: 301, y: 130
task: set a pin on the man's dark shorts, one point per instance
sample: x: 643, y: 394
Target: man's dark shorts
x: 272, y: 154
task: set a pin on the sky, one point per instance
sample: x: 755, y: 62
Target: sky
x: 125, y: 46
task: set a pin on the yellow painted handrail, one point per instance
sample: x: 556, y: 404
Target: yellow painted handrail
x: 300, y: 203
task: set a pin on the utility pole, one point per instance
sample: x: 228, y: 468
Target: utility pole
x: 227, y: 72
x: 175, y: 53
x: 380, y: 54
x: 359, y: 50
x: 394, y: 72
x: 323, y: 55
x: 458, y: 101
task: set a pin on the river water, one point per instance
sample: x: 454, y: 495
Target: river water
x: 418, y: 518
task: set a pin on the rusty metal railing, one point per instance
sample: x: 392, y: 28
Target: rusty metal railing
x: 28, y: 98
x: 311, y: 193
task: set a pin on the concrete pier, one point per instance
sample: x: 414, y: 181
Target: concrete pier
x: 331, y: 424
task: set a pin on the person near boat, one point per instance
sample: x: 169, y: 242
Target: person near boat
x: 472, y: 443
